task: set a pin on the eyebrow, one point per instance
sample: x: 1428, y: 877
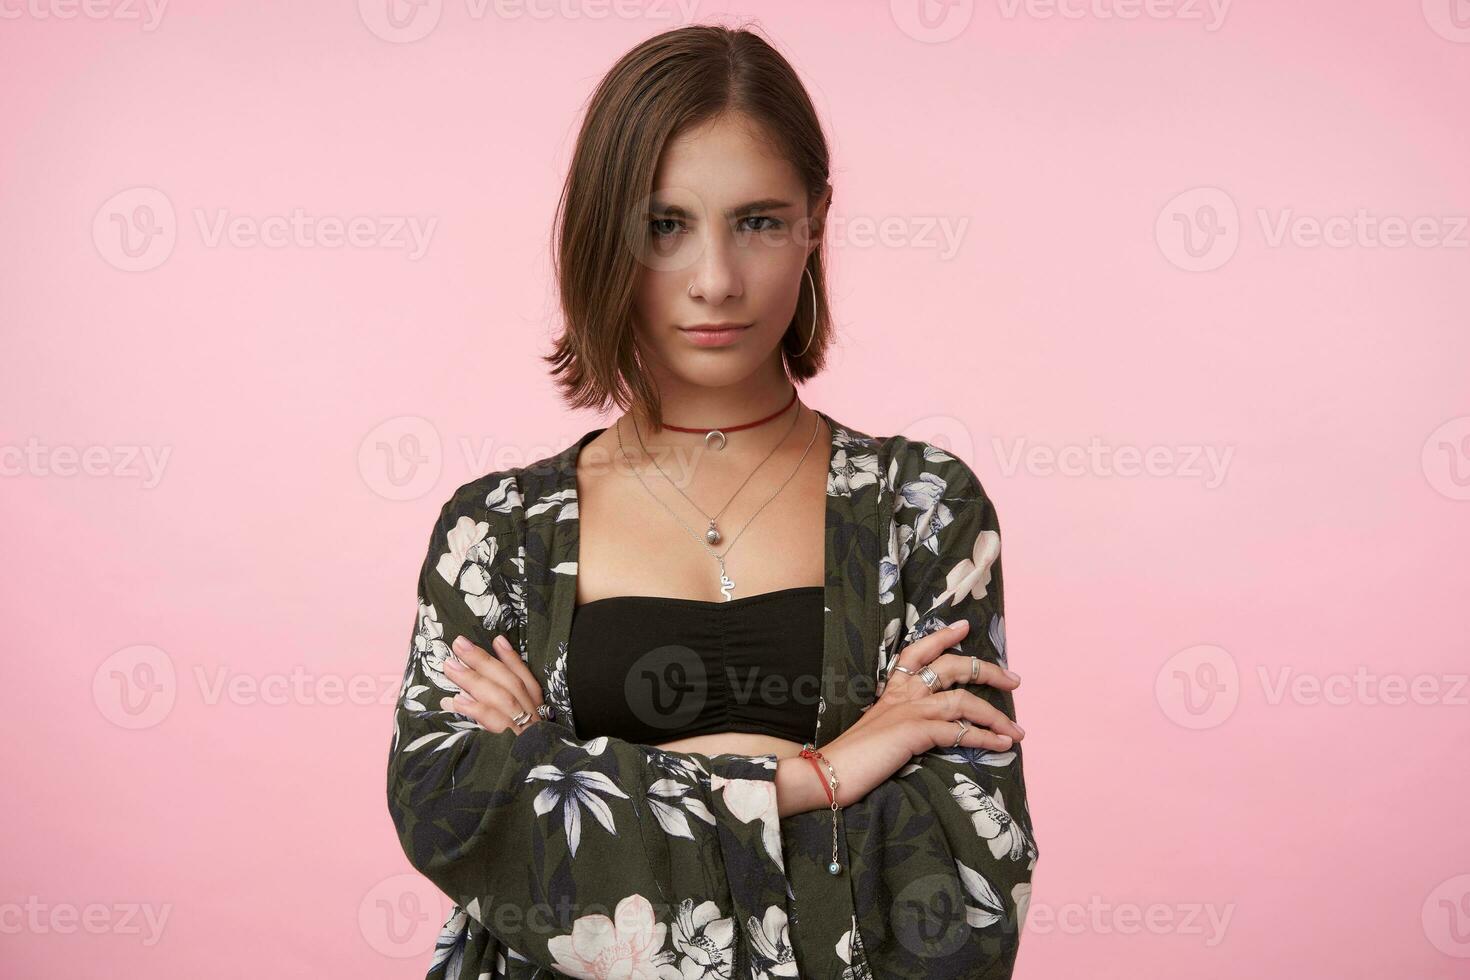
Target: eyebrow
x: 662, y: 210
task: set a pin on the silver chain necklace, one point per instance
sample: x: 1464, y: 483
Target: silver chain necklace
x: 712, y: 534
x: 727, y: 585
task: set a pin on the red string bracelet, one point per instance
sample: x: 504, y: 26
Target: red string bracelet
x: 829, y: 785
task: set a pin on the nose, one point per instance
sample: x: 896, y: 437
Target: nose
x: 717, y: 271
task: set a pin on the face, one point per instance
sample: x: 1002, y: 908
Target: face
x: 730, y: 232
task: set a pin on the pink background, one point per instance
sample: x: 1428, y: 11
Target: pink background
x: 318, y: 403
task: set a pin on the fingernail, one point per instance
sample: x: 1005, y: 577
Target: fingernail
x: 1004, y: 738
x: 460, y: 643
x: 451, y: 664
x: 962, y: 624
x: 1021, y: 730
x: 1013, y: 675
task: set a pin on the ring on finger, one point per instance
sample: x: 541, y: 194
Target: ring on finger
x: 964, y: 727
x: 544, y: 711
x: 521, y: 719
x: 974, y: 668
x: 930, y: 679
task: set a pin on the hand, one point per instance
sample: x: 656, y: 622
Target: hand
x: 493, y: 689
x: 952, y: 668
x: 908, y: 719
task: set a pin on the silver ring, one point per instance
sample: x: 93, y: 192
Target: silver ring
x: 974, y: 668
x: 521, y: 719
x: 930, y: 679
x: 544, y: 710
x: 964, y: 727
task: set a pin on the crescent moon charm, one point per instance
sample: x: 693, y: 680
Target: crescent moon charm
x: 711, y: 436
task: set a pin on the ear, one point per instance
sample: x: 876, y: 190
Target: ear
x: 818, y: 221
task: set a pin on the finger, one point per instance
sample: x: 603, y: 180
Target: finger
x: 487, y: 718
x: 517, y: 666
x: 498, y: 690
x: 918, y: 653
x: 960, y: 703
x: 955, y: 668
x: 490, y: 668
x: 975, y: 737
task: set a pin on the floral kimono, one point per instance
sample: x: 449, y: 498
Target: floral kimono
x: 606, y: 858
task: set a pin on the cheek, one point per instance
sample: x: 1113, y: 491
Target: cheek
x: 656, y: 300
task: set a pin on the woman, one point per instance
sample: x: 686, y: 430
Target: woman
x: 626, y: 748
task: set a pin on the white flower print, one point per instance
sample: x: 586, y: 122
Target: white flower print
x: 998, y: 637
x: 555, y: 688
x: 449, y: 946
x: 927, y: 494
x: 466, y: 566
x: 971, y: 576
x: 462, y: 540
x: 505, y: 497
x: 850, y: 948
x: 988, y: 813
x: 564, y: 502
x: 431, y: 650
x: 772, y: 940
x: 965, y: 755
x: 666, y: 797
x: 1021, y: 896
x: 851, y: 471
x: 705, y: 940
x: 749, y: 799
x: 570, y: 791
x: 628, y: 948
x: 983, y: 906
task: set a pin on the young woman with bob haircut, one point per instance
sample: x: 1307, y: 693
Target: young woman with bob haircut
x: 721, y: 689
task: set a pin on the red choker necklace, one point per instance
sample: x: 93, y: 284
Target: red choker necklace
x: 718, y: 432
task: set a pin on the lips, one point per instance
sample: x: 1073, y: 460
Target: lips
x: 714, y: 335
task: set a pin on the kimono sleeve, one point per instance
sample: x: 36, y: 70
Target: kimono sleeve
x: 592, y: 857
x: 962, y: 849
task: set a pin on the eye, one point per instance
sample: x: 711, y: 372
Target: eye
x: 659, y: 229
x: 774, y: 222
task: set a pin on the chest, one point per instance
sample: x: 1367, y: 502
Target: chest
x: 649, y: 540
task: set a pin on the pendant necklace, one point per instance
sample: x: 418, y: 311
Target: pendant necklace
x: 727, y: 584
x: 712, y: 533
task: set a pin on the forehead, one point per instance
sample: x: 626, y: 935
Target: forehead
x: 721, y: 161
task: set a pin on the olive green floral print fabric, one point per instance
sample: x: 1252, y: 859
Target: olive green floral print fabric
x: 604, y: 858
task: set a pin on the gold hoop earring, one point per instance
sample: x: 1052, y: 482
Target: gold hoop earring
x: 812, y: 335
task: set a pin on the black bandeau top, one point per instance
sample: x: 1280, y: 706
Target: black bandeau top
x: 651, y: 669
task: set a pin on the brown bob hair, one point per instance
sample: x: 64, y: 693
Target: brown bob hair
x: 671, y: 81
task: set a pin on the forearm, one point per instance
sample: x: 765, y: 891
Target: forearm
x: 798, y: 789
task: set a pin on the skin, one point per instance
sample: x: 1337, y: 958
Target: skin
x: 715, y: 259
